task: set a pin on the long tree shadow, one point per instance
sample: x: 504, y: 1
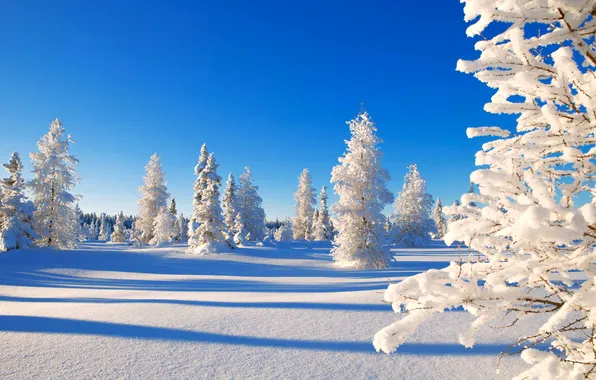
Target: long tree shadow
x: 48, y: 325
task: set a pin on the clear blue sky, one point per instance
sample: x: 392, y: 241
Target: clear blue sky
x: 267, y: 84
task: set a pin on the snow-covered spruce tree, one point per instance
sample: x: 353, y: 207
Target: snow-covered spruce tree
x: 412, y: 224
x: 322, y: 226
x: 55, y: 220
x: 240, y: 230
x: 198, y: 190
x: 210, y: 236
x: 229, y: 204
x: 284, y: 233
x: 163, y: 228
x: 537, y: 244
x: 305, y: 200
x: 105, y: 229
x: 154, y: 197
x: 181, y: 228
x: 360, y: 182
x: 250, y: 206
x: 16, y: 212
x: 172, y: 208
x: 439, y: 219
x: 119, y: 234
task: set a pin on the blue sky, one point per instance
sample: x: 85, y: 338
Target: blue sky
x: 266, y: 84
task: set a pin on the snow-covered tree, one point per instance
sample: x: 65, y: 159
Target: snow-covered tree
x: 305, y: 200
x: 181, y: 228
x: 412, y: 224
x: 55, y: 220
x: 360, y: 182
x: 535, y: 235
x: 230, y: 210
x: 173, y: 210
x: 210, y: 236
x: 105, y: 228
x: 284, y: 233
x: 154, y: 197
x: 322, y: 225
x: 16, y: 212
x: 250, y: 206
x: 198, y: 190
x: 439, y: 219
x: 119, y: 234
x: 163, y: 228
x: 240, y: 230
x: 93, y: 231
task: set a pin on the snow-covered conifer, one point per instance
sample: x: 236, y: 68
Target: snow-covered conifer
x: 105, y: 229
x: 181, y: 228
x: 198, y: 190
x: 240, y: 230
x: 55, y: 220
x: 412, y: 224
x: 250, y: 206
x: 322, y: 226
x: 210, y: 236
x: 16, y: 212
x: 360, y: 182
x: 163, y: 228
x: 439, y: 219
x: 536, y: 244
x: 119, y: 234
x: 154, y: 197
x: 305, y: 200
x: 230, y: 210
x: 172, y: 208
x: 284, y: 233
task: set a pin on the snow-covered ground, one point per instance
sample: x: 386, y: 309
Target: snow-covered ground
x: 111, y: 311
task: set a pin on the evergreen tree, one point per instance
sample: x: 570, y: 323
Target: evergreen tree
x: 211, y: 234
x: 240, y: 230
x: 198, y: 189
x: 55, y: 220
x: 360, y: 182
x: 16, y: 212
x: 305, y: 199
x: 230, y: 210
x: 322, y: 224
x: 439, y: 219
x: 284, y: 233
x: 412, y: 224
x: 172, y: 208
x: 119, y: 234
x: 105, y: 228
x: 154, y: 197
x: 250, y: 206
x: 163, y: 228
x: 181, y: 228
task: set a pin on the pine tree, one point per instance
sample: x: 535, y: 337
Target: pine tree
x: 322, y: 225
x: 360, y: 182
x: 412, y: 224
x: 439, y: 219
x: 119, y: 234
x: 105, y: 228
x: 284, y: 233
x: 55, y: 220
x: 305, y: 200
x: 163, y: 228
x: 230, y: 210
x: 16, y: 212
x: 198, y: 190
x: 240, y: 230
x: 250, y: 206
x: 535, y: 237
x: 172, y: 208
x: 181, y: 228
x: 211, y: 234
x: 154, y: 197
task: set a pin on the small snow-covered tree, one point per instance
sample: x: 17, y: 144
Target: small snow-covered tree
x: 305, y: 200
x: 16, y: 212
x: 439, y: 219
x: 240, y: 230
x: 181, y: 228
x: 55, y: 220
x: 360, y: 183
x: 105, y: 228
x: 250, y: 205
x: 163, y: 228
x: 322, y: 226
x: 172, y: 208
x: 284, y: 233
x: 230, y: 210
x: 211, y: 234
x: 535, y: 234
x: 412, y: 224
x: 119, y: 234
x: 154, y: 197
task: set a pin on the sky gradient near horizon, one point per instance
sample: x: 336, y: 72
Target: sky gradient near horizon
x: 265, y: 84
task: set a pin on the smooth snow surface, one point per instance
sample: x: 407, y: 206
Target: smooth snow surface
x: 285, y: 312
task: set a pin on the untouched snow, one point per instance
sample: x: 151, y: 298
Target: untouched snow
x: 111, y: 311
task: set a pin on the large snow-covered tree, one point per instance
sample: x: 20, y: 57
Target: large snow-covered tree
x: 230, y: 210
x: 154, y: 197
x: 412, y: 224
x: 210, y: 236
x: 250, y: 205
x: 16, y: 212
x: 535, y: 220
x: 198, y: 189
x: 55, y: 219
x: 439, y: 219
x: 119, y: 233
x: 322, y: 226
x: 360, y: 182
x: 305, y: 200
